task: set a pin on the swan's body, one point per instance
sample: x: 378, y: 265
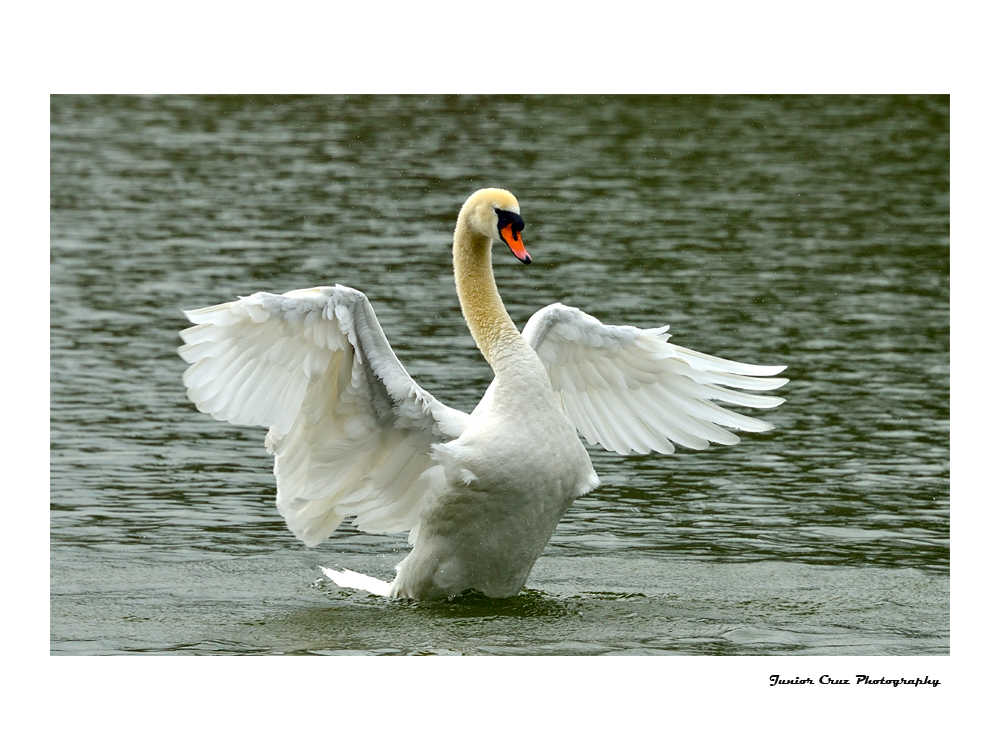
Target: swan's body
x: 354, y: 435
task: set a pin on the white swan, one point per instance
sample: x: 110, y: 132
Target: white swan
x: 353, y: 435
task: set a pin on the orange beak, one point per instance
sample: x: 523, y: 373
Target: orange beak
x: 513, y: 240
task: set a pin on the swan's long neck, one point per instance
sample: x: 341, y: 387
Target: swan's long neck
x: 491, y: 326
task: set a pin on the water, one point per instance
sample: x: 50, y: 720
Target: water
x: 811, y: 232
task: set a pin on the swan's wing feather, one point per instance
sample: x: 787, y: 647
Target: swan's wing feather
x: 350, y: 430
x: 629, y: 389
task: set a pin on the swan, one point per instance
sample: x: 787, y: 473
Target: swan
x: 352, y: 434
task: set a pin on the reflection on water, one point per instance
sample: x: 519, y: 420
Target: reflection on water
x: 811, y: 232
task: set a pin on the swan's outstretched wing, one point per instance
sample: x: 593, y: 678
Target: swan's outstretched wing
x: 350, y: 430
x: 630, y: 390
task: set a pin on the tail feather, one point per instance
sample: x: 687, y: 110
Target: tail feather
x: 348, y: 579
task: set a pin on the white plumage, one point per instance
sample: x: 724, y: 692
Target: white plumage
x: 350, y: 431
x: 353, y: 435
x: 629, y: 390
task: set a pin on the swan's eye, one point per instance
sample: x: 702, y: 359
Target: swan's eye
x: 509, y: 219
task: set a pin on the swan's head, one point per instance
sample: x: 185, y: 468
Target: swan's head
x: 494, y: 213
